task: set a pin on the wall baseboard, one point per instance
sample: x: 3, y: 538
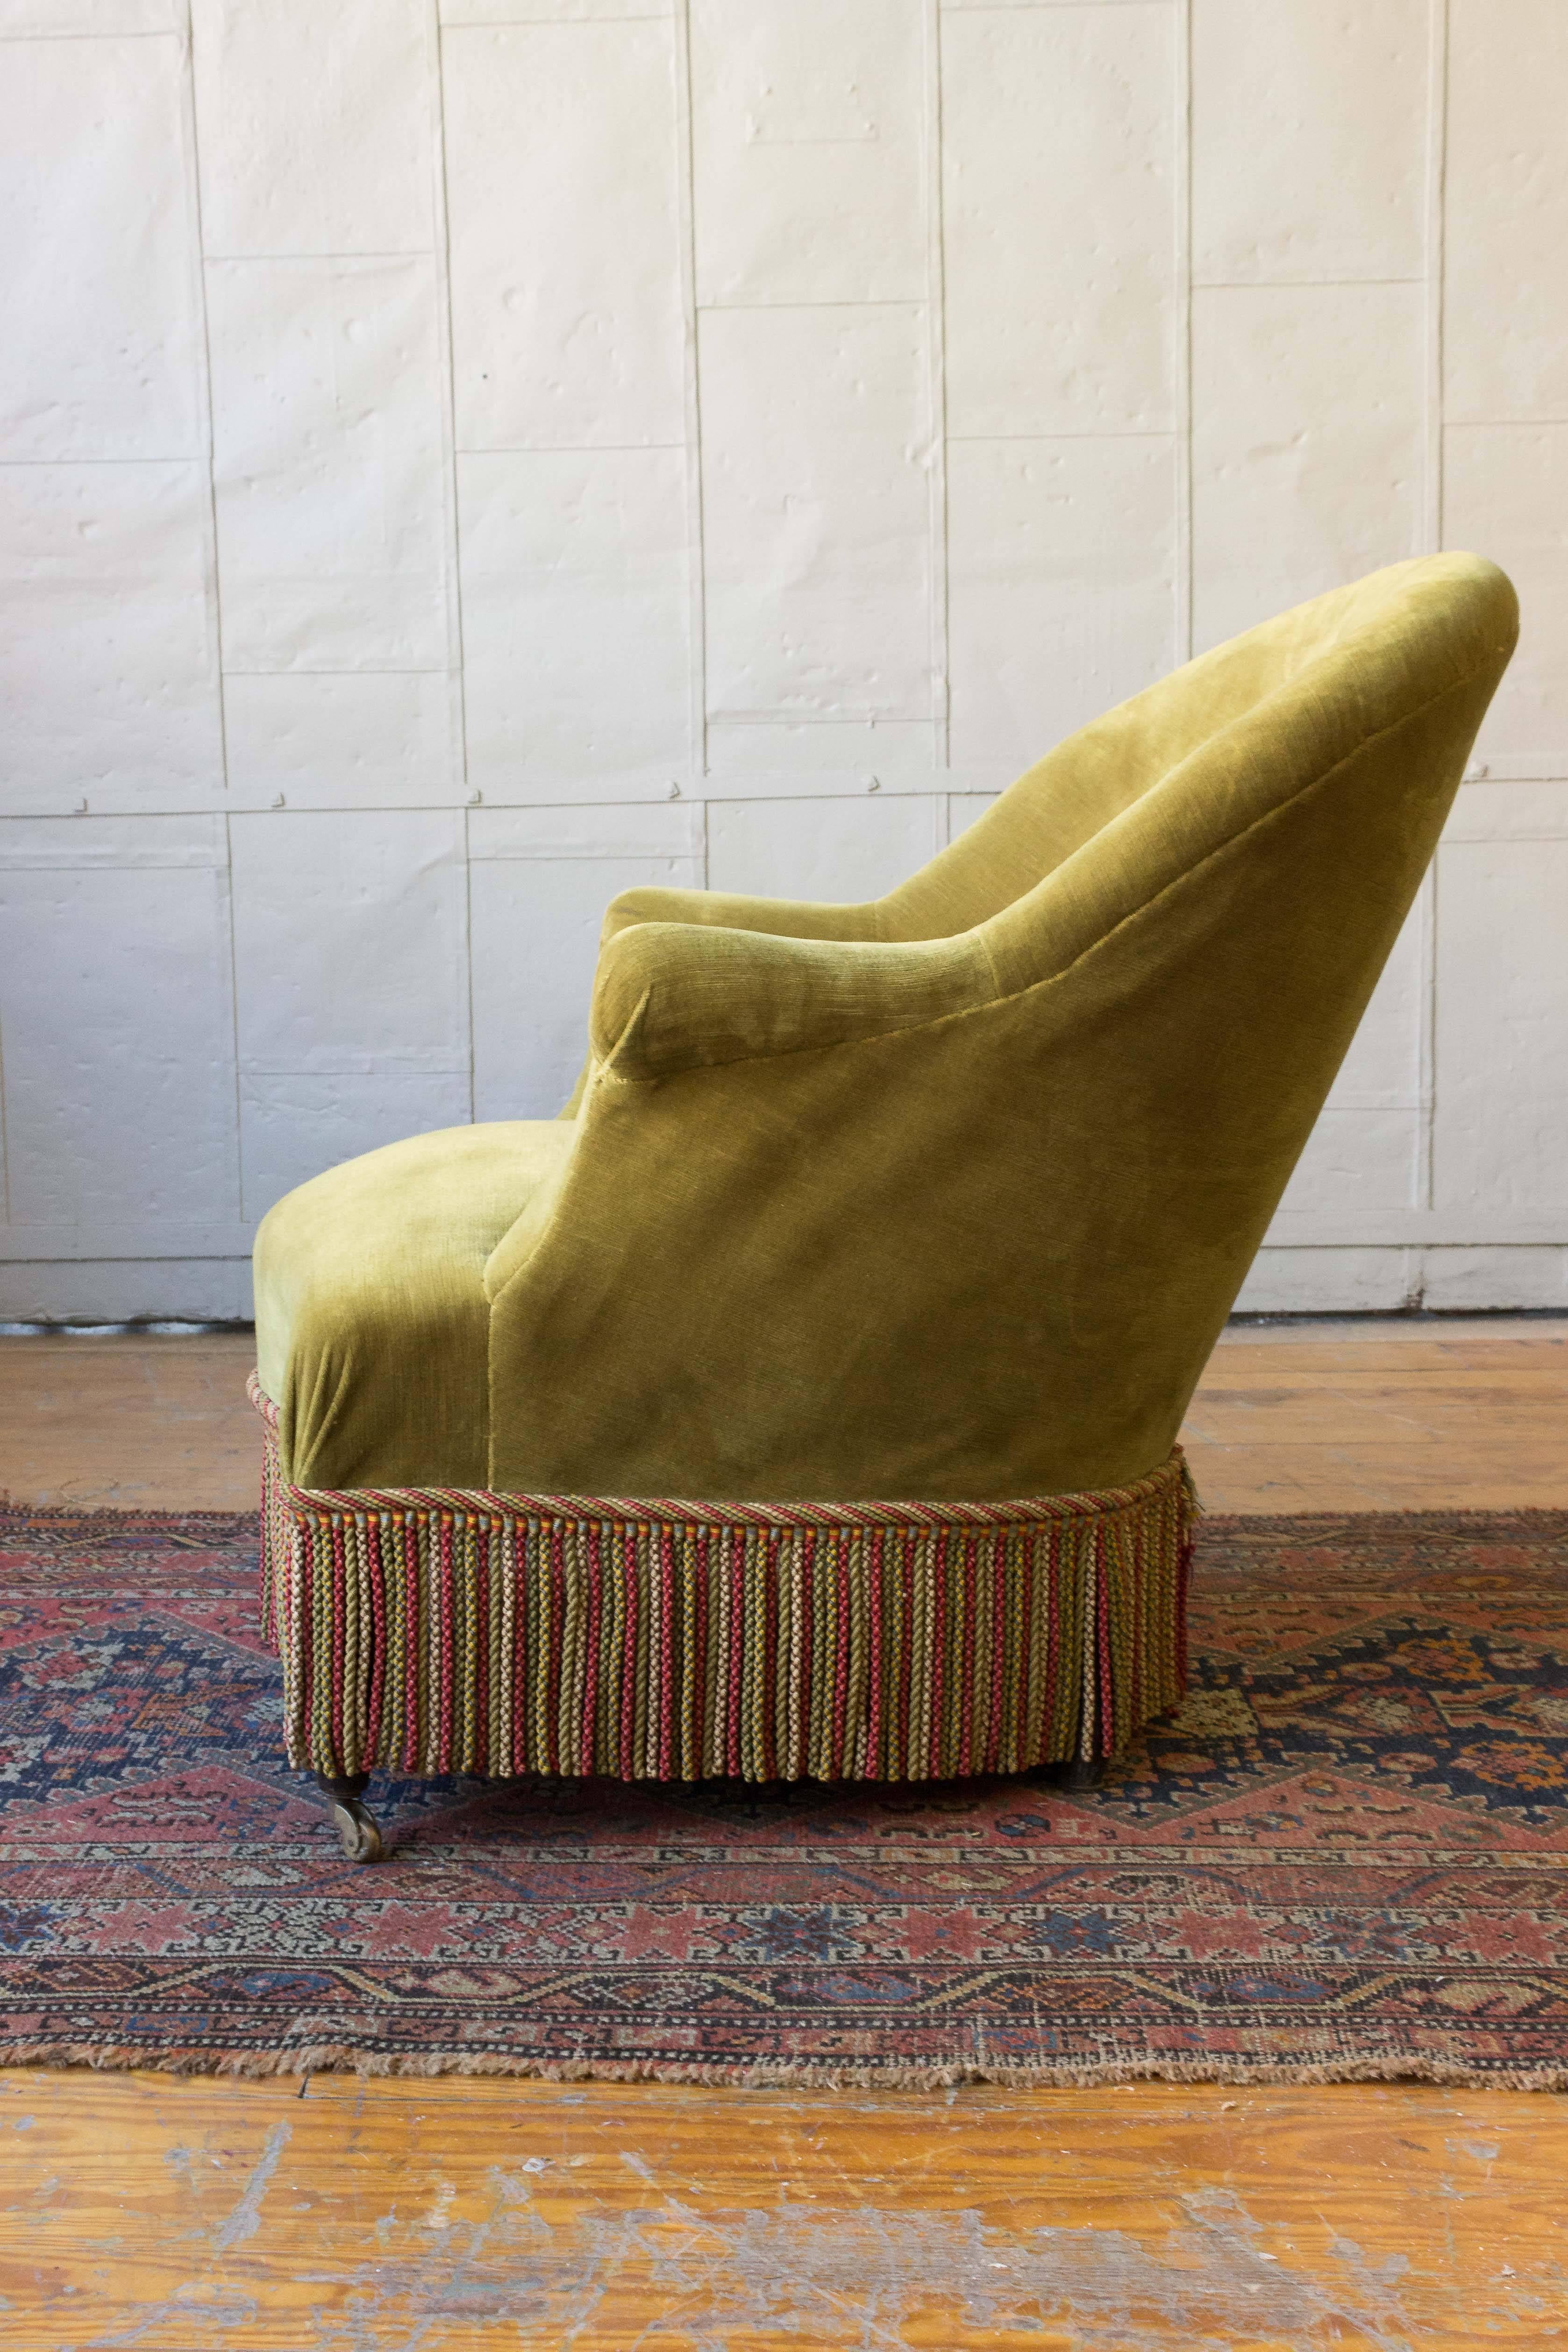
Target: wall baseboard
x: 1446, y: 1279
x: 1373, y: 1279
x: 126, y: 1290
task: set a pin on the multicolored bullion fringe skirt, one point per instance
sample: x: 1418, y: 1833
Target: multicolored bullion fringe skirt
x: 500, y: 1635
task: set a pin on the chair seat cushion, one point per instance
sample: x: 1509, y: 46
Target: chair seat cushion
x: 371, y: 1323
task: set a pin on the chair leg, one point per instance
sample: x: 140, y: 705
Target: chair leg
x: 353, y: 1822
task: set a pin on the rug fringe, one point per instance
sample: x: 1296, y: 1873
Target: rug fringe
x: 1042, y: 2076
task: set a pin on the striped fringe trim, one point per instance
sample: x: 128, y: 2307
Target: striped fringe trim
x: 500, y: 1635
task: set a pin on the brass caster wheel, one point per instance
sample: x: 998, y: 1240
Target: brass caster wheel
x: 357, y: 1833
x: 353, y: 1822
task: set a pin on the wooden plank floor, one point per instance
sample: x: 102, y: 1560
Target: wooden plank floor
x: 204, y: 2216
x: 1401, y: 1414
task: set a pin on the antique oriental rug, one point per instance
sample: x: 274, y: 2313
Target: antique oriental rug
x: 1346, y: 1858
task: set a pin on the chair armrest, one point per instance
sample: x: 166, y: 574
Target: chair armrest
x: 794, y: 918
x: 683, y: 996
x: 798, y: 919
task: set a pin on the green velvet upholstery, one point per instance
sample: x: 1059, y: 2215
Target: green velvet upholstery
x: 371, y: 1320
x: 945, y: 1196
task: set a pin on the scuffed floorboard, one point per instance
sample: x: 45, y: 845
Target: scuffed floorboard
x: 401, y: 2217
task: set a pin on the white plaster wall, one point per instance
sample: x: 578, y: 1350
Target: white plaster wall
x: 458, y: 460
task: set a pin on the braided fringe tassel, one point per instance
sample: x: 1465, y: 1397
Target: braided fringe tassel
x: 443, y: 1632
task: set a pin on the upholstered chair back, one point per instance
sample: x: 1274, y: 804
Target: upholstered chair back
x: 949, y: 1195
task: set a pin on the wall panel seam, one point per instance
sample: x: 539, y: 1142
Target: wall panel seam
x: 311, y: 260
x: 936, y: 389
x: 1090, y: 433
x: 1436, y: 262
x: 192, y: 129
x: 469, y: 960
x: 359, y: 669
x: 875, y: 302
x: 691, y: 395
x: 1291, y: 284
x: 191, y: 120
x: 233, y: 1014
x: 1182, y: 260
x: 5, y: 1140
x: 172, y: 457
x: 457, y: 704
x: 564, y: 448
x: 146, y: 33
x: 518, y: 23
x: 1435, y: 226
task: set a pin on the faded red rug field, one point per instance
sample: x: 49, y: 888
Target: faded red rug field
x: 1347, y: 1857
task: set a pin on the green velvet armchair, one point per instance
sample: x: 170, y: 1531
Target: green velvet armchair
x: 804, y: 1400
